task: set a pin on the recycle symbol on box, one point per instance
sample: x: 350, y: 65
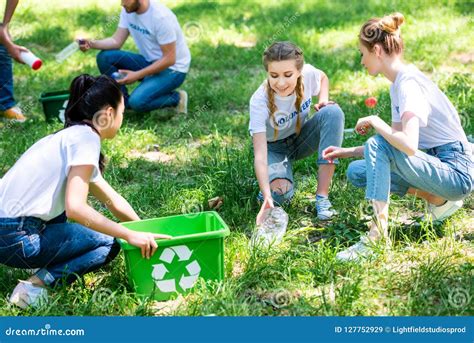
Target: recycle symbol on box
x: 160, y: 270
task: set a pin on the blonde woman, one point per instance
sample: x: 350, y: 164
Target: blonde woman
x: 424, y: 152
x: 282, y: 131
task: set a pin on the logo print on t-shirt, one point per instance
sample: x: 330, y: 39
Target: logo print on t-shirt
x: 283, y: 119
x: 139, y: 29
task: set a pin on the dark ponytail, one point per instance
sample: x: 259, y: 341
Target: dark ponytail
x: 88, y: 96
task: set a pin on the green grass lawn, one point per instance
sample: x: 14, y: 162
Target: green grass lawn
x: 207, y: 153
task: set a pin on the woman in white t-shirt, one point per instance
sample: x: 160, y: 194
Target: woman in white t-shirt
x: 282, y: 132
x: 50, y: 183
x: 423, y: 118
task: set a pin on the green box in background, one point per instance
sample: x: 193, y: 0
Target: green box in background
x: 54, y: 104
x: 195, y: 251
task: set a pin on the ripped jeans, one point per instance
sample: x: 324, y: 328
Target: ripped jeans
x: 324, y: 129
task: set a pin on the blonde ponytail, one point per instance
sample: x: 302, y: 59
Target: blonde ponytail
x: 272, y: 109
x: 299, y: 99
x: 384, y: 31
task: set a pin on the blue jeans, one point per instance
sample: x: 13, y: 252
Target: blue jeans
x: 324, y: 129
x: 6, y: 80
x: 63, y: 251
x: 154, y: 91
x: 446, y: 171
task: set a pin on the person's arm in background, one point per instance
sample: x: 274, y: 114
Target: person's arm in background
x: 5, y: 38
x: 111, y: 43
x: 9, y: 10
x: 167, y: 60
x: 167, y: 39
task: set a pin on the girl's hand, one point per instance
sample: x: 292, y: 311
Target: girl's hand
x: 267, y: 203
x: 321, y: 104
x: 130, y: 77
x: 146, y: 241
x: 333, y: 152
x: 364, y: 124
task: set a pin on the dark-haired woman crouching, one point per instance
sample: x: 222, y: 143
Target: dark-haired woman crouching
x: 51, y: 182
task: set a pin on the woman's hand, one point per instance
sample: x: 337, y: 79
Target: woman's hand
x: 333, y: 152
x: 322, y: 104
x: 267, y: 203
x: 364, y: 124
x: 146, y: 241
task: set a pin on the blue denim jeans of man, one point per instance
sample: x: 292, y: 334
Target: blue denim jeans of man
x: 6, y: 80
x: 324, y: 129
x: 153, y: 92
x: 61, y: 250
x: 446, y: 171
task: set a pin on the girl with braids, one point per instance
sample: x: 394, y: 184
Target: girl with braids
x: 51, y: 182
x: 424, y: 152
x: 282, y: 132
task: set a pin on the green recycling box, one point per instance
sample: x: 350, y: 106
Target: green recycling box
x: 195, y: 251
x: 54, y: 104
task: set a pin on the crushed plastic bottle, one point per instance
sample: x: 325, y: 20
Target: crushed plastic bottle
x: 272, y: 229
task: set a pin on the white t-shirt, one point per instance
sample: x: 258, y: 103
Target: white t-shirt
x: 36, y: 184
x: 157, y: 26
x: 439, y: 121
x: 285, y: 116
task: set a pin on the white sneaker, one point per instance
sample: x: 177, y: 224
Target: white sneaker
x: 324, y: 209
x: 27, y: 294
x: 440, y: 213
x: 361, y: 249
x: 183, y: 102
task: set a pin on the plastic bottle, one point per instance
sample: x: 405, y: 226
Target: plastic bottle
x: 67, y: 51
x: 118, y: 76
x: 272, y: 229
x: 29, y: 58
x: 348, y: 133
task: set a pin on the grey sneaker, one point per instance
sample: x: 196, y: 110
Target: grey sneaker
x: 440, y: 213
x: 27, y: 294
x: 324, y: 209
x: 360, y: 250
x: 183, y: 102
